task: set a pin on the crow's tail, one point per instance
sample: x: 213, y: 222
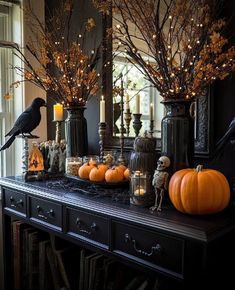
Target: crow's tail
x: 8, y: 143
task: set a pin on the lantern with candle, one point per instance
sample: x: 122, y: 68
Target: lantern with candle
x: 140, y: 189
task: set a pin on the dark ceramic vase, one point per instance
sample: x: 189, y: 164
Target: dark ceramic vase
x: 144, y: 157
x: 76, y: 132
x: 178, y: 134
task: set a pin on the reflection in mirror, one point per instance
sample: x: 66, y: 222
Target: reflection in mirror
x: 138, y: 93
x: 138, y: 97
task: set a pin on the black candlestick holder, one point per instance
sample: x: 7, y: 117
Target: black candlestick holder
x: 137, y: 124
x: 58, y: 131
x: 127, y: 118
x: 121, y: 158
x: 102, y: 132
x: 151, y: 126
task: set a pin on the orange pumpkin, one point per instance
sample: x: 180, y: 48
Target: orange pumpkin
x: 199, y: 191
x: 97, y: 174
x: 113, y: 175
x: 121, y: 167
x: 85, y: 170
x: 127, y: 173
x: 103, y: 167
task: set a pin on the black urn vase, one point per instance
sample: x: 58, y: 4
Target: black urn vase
x: 76, y: 132
x: 178, y: 134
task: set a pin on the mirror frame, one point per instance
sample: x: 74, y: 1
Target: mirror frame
x: 204, y: 143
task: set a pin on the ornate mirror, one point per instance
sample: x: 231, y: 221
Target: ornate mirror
x: 139, y: 97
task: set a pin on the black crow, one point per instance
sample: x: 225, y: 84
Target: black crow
x: 26, y: 122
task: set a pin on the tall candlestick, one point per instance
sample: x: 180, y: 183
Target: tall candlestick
x: 127, y: 105
x: 58, y: 111
x: 102, y: 110
x: 137, y: 104
x: 151, y: 111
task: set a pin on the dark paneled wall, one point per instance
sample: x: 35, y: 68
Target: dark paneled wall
x: 84, y: 10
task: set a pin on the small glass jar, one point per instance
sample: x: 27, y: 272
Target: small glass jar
x: 72, y: 165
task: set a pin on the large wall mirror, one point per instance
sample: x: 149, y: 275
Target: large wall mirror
x: 139, y: 96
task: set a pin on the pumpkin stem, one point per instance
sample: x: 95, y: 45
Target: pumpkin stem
x: 199, y: 168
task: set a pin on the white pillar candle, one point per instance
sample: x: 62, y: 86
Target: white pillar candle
x: 58, y: 111
x: 102, y: 110
x: 151, y: 111
x: 137, y: 104
x: 127, y: 100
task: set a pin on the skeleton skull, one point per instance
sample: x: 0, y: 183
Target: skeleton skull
x: 163, y: 162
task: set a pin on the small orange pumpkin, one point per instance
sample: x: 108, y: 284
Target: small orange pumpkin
x: 127, y: 173
x: 121, y: 168
x: 97, y: 174
x: 85, y: 170
x: 199, y: 191
x: 103, y: 167
x: 113, y: 175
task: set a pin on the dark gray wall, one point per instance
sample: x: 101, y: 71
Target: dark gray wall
x: 223, y: 101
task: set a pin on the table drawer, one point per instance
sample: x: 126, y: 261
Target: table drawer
x: 46, y: 211
x: 87, y: 225
x: 152, y: 248
x: 15, y: 201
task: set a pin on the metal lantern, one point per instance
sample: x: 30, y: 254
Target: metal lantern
x: 140, y: 191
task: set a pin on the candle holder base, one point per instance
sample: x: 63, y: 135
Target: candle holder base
x: 58, y: 131
x: 137, y: 124
x: 127, y: 118
x: 102, y: 131
x: 151, y: 131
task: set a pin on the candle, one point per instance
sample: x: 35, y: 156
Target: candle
x: 102, y: 110
x: 127, y: 102
x: 151, y: 112
x: 58, y: 112
x: 139, y: 191
x: 137, y: 104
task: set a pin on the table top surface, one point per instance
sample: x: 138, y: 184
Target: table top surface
x: 115, y: 204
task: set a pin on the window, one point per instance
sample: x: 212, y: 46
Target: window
x: 9, y: 14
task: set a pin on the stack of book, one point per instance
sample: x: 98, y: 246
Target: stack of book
x: 45, y: 262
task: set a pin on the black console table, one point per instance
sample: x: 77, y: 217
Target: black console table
x: 193, y: 250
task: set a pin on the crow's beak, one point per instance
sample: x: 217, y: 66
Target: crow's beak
x: 45, y: 105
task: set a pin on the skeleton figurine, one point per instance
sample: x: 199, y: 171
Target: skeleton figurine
x: 160, y: 181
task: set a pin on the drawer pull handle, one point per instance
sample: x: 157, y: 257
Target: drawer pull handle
x: 154, y: 249
x: 14, y: 203
x: 93, y: 227
x: 49, y: 213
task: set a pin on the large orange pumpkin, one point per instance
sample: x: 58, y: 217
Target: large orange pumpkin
x: 199, y: 191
